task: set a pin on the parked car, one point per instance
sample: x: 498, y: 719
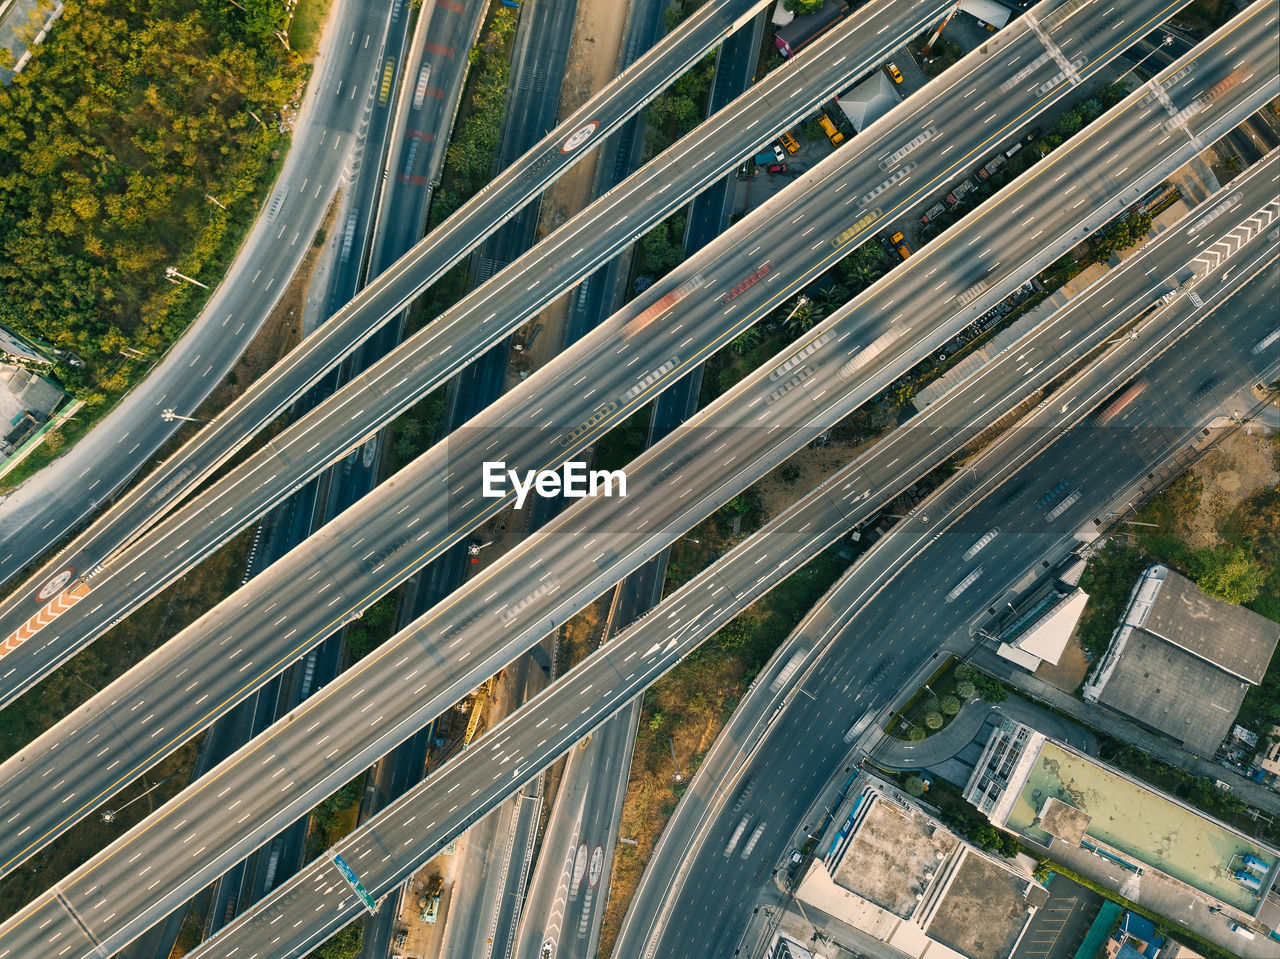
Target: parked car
x: 933, y: 213
x: 894, y: 72
x: 778, y: 154
x: 777, y: 168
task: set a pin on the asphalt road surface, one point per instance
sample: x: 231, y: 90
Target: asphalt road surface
x: 873, y: 646
x: 338, y: 543
x: 439, y: 33
x: 562, y: 579
x: 419, y: 824
x: 455, y: 339
x: 378, y: 303
x: 896, y: 634
x: 327, y: 131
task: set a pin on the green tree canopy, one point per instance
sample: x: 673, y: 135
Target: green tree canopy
x: 346, y: 944
x: 1228, y: 573
x: 127, y: 118
x: 803, y: 7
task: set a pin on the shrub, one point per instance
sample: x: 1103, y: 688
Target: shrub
x: 949, y: 705
x: 933, y: 720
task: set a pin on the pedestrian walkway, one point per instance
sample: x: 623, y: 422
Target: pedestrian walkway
x: 1113, y: 724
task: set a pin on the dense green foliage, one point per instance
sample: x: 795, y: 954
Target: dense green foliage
x: 1228, y: 573
x: 327, y: 825
x: 804, y: 7
x: 679, y: 108
x: 1120, y: 235
x: 1108, y: 580
x: 346, y: 944
x: 474, y: 144
x: 960, y: 816
x: 128, y: 115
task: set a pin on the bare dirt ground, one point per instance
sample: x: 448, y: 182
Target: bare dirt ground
x: 593, y: 62
x: 1241, y: 466
x: 1070, y: 671
x: 801, y: 473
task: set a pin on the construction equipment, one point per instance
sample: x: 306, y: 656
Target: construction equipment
x: 478, y: 699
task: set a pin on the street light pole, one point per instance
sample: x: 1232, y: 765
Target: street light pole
x: 1168, y: 39
x: 169, y: 416
x: 173, y: 276
x: 109, y: 815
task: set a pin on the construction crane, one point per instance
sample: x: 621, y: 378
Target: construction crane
x: 479, y: 697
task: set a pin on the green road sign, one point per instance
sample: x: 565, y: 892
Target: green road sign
x: 355, y: 883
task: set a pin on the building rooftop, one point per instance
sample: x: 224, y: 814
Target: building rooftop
x: 869, y: 100
x: 1042, y: 632
x: 1234, y: 639
x: 1170, y: 690
x: 898, y: 875
x: 1128, y: 823
x: 983, y: 910
x: 1180, y: 662
x: 894, y: 854
x: 1064, y: 822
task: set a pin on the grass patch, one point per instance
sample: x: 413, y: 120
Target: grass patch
x: 934, y: 706
x: 304, y: 28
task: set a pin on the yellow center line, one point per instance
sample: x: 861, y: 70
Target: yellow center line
x: 141, y: 829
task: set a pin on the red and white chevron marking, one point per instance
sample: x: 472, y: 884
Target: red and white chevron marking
x: 51, y: 611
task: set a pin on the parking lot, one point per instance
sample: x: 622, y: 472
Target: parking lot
x: 1060, y: 925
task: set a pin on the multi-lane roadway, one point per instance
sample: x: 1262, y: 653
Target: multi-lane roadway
x: 459, y: 793
x: 555, y: 579
x: 174, y: 695
x: 105, y: 592
x: 376, y: 305
x: 364, y: 550
x: 873, y: 644
x: 328, y: 132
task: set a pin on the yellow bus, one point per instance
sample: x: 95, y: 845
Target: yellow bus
x: 388, y: 74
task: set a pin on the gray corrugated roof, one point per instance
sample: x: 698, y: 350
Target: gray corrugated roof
x: 1168, y: 689
x: 869, y: 100
x: 1231, y: 637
